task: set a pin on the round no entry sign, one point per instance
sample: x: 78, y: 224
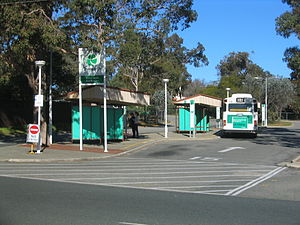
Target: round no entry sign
x: 33, y: 133
x: 34, y: 129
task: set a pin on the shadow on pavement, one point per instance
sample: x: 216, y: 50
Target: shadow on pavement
x: 13, y: 138
x: 284, y: 137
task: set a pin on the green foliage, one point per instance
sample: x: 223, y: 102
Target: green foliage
x: 214, y: 90
x: 142, y: 61
x: 286, y: 25
x: 233, y: 71
x: 133, y: 32
x: 27, y: 33
x: 234, y: 64
x: 194, y: 87
x: 292, y: 57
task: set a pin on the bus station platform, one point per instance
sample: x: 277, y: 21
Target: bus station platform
x: 18, y: 151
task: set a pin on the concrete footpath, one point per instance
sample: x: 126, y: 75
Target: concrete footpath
x: 63, y: 150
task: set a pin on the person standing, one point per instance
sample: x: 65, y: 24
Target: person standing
x: 136, y: 124
x: 132, y: 123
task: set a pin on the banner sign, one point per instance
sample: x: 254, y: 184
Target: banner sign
x: 91, y: 66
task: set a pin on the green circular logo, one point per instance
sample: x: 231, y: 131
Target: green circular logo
x: 91, y: 60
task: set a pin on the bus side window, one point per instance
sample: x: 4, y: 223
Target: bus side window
x: 255, y: 107
x: 224, y: 107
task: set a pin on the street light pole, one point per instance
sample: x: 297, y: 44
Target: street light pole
x: 228, y: 92
x: 166, y: 107
x: 266, y: 102
x: 39, y: 64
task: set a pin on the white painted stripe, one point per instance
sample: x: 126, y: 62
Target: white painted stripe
x: 255, y: 182
x: 126, y: 223
x: 116, y: 168
x: 114, y: 185
x: 153, y: 178
x: 70, y: 173
x: 202, y: 186
x: 230, y: 149
x: 167, y: 182
x: 210, y: 191
x: 197, y: 157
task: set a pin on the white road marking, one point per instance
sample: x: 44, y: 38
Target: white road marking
x: 180, y: 182
x: 126, y: 223
x: 197, y: 157
x: 230, y: 149
x: 85, y: 174
x: 205, y: 158
x: 255, y: 182
x: 157, y: 178
x: 207, y: 177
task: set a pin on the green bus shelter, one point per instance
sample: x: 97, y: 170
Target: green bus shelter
x: 92, y: 122
x: 93, y: 112
x: 199, y: 113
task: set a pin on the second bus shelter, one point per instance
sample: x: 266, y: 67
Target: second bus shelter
x: 192, y: 113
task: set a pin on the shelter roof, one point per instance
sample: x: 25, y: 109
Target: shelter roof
x: 201, y: 99
x: 115, y: 96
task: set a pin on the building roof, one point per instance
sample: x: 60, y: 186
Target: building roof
x: 201, y: 99
x: 115, y: 96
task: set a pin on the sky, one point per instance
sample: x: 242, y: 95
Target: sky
x: 225, y: 26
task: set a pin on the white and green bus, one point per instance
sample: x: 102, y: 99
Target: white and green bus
x: 240, y: 114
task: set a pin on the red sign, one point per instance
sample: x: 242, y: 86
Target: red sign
x: 34, y: 129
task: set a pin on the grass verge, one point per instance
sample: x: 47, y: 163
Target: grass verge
x: 8, y: 131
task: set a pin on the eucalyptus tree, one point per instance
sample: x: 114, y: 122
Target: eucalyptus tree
x: 194, y: 87
x: 235, y: 69
x: 286, y: 25
x: 135, y: 34
x: 281, y: 94
x: 27, y: 34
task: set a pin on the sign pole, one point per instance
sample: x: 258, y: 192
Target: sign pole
x: 105, y: 115
x: 192, y: 118
x: 50, y: 101
x: 80, y: 116
x: 80, y: 105
x: 166, y: 107
x: 39, y: 64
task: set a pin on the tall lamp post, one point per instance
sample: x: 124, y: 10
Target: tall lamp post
x: 166, y: 107
x: 266, y: 99
x: 266, y: 102
x: 40, y: 64
x: 228, y: 92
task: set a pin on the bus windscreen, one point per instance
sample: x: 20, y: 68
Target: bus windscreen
x: 240, y: 107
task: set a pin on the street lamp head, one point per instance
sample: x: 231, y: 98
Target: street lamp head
x: 40, y: 63
x: 228, y: 89
x: 166, y: 80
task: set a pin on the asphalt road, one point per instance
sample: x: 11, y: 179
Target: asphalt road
x: 35, y: 202
x: 272, y: 147
x: 163, y: 184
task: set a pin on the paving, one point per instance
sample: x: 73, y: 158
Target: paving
x: 15, y: 149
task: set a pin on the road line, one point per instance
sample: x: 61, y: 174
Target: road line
x: 255, y: 182
x: 197, y: 157
x: 67, y: 173
x: 166, y: 182
x: 210, y: 191
x: 157, y: 178
x: 230, y: 149
x: 126, y: 223
x: 202, y: 186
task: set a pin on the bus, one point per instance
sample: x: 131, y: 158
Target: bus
x: 240, y: 114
